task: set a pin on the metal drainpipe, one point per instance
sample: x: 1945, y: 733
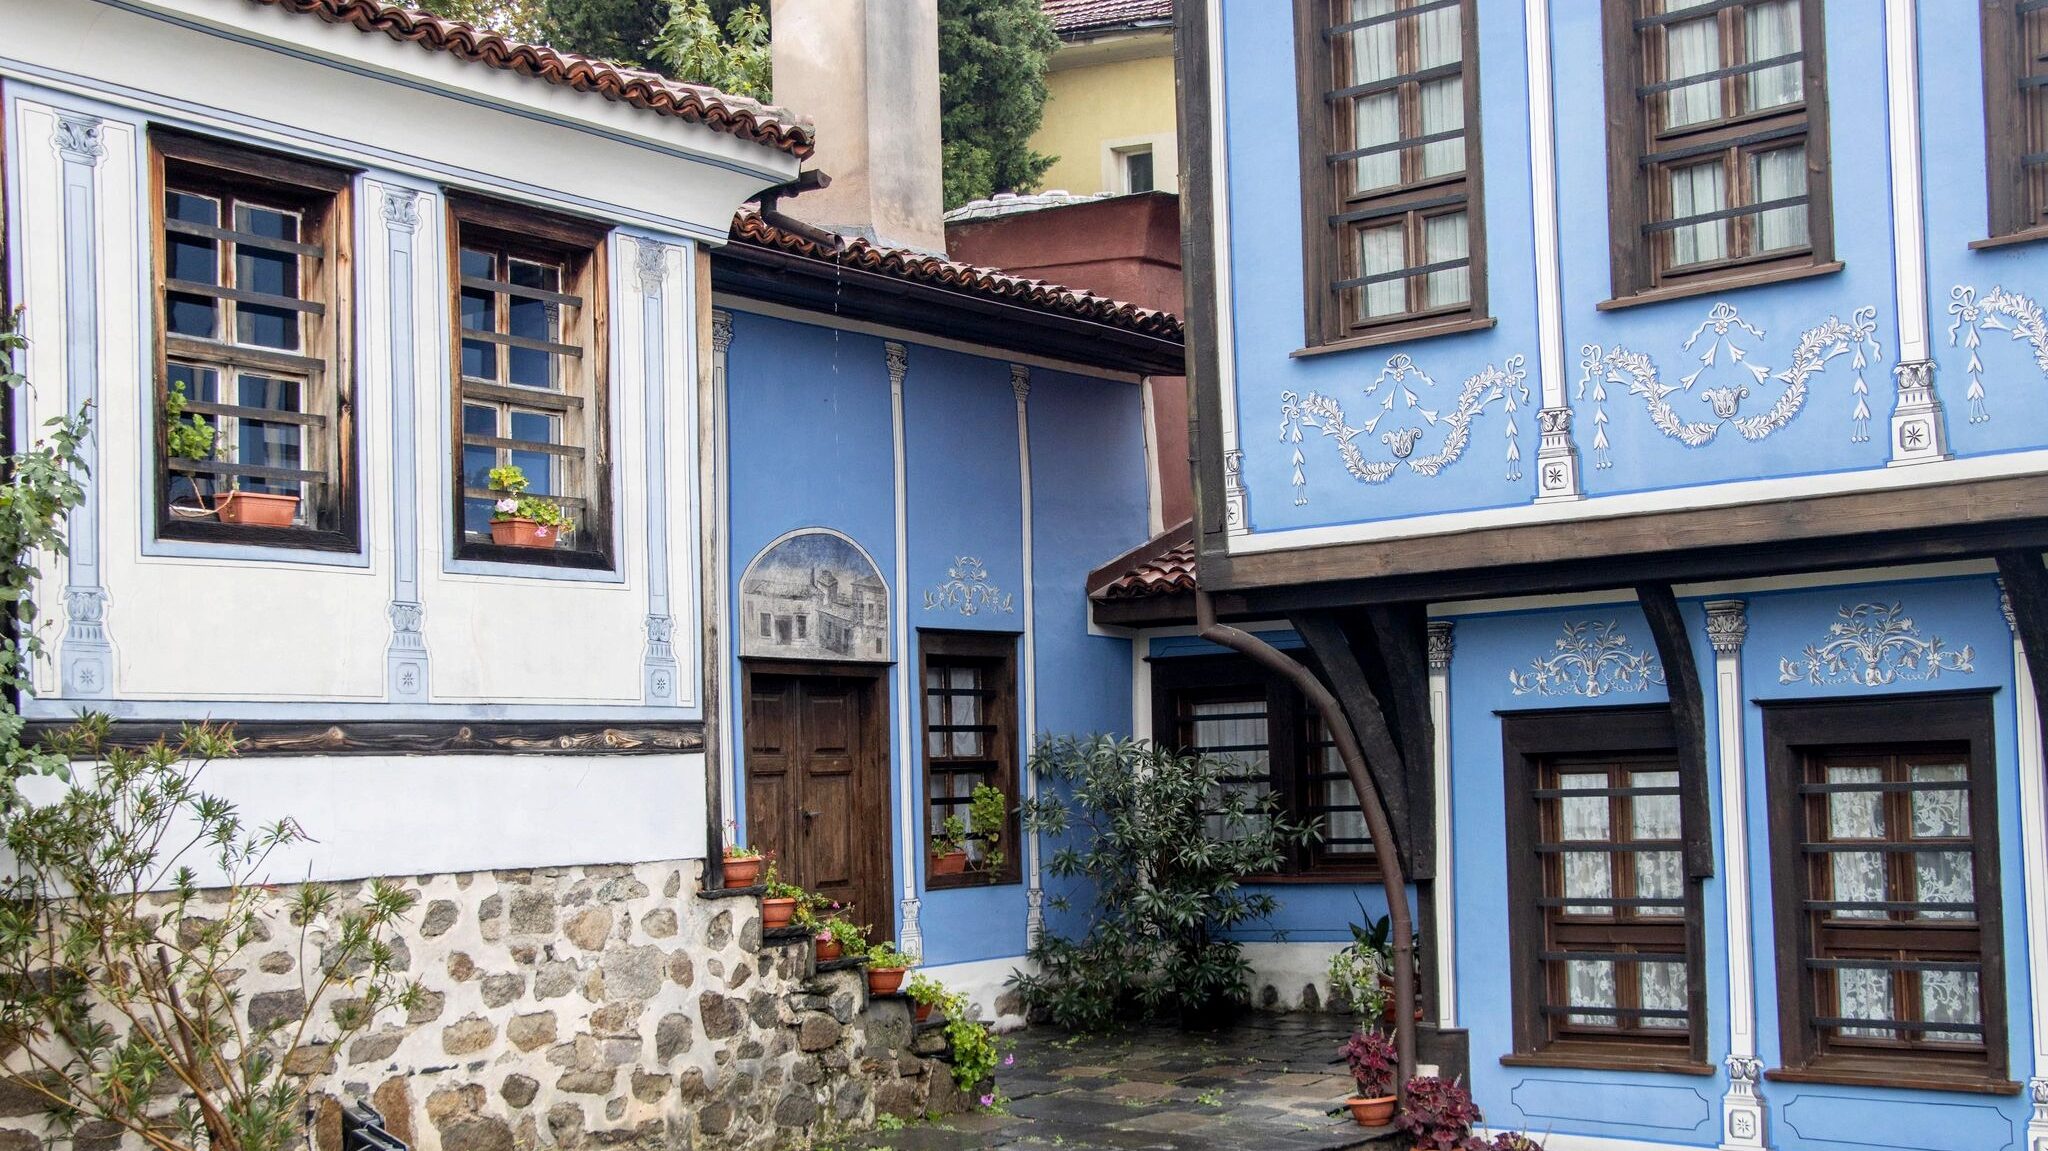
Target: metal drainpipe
x: 1392, y: 878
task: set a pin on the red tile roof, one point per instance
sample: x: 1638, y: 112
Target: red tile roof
x: 719, y: 111
x: 1075, y: 17
x: 1162, y: 565
x: 751, y: 227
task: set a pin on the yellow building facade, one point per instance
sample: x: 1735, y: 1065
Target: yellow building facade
x: 1110, y: 115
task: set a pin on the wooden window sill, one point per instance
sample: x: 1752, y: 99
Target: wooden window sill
x: 1717, y: 284
x: 2026, y: 236
x: 249, y: 535
x: 1399, y: 334
x: 1621, y: 1059
x: 1911, y: 1075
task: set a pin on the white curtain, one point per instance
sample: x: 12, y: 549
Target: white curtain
x: 1772, y: 30
x: 1587, y: 874
x: 1444, y: 238
x: 1696, y: 190
x: 1439, y: 41
x: 1776, y: 175
x: 1236, y: 725
x: 1376, y: 119
x: 1691, y: 48
x: 1381, y: 249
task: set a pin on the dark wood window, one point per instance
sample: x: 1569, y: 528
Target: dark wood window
x: 1717, y: 147
x: 970, y: 739
x: 1226, y: 706
x: 1884, y: 837
x: 1392, y: 227
x: 253, y: 345
x: 1604, y: 926
x: 530, y: 355
x: 2016, y: 116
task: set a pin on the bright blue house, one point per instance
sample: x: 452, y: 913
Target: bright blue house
x: 1633, y: 412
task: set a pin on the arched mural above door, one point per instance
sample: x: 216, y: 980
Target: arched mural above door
x: 814, y: 594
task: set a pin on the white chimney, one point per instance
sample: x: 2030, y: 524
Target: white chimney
x: 866, y: 73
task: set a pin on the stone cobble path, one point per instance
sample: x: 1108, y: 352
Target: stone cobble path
x: 1268, y: 1083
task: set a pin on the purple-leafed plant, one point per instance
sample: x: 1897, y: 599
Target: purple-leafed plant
x: 1440, y: 1114
x: 1373, y: 1060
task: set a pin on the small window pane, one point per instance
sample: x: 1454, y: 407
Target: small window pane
x: 1951, y: 997
x: 1444, y: 239
x: 194, y: 259
x: 1772, y: 29
x: 1663, y: 988
x: 1698, y: 190
x: 1692, y: 48
x: 1865, y: 993
x: 1940, y: 814
x: 477, y: 463
x: 1590, y: 983
x: 1779, y: 174
x: 1382, y: 249
x: 270, y: 272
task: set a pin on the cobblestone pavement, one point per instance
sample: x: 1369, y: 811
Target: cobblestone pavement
x: 1268, y: 1083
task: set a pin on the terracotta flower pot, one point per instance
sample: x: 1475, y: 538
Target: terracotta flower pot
x: 885, y: 980
x: 256, y: 509
x: 924, y: 1012
x: 1375, y: 1112
x: 777, y: 913
x: 742, y: 871
x: 828, y: 948
x: 951, y: 863
x: 523, y: 533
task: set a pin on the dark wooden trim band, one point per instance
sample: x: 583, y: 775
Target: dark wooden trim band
x: 417, y: 737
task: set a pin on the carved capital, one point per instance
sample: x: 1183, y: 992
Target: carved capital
x: 1554, y: 421
x: 1440, y: 645
x: 1020, y: 381
x: 721, y: 331
x: 1235, y: 516
x: 1914, y: 376
x: 651, y: 263
x: 80, y: 138
x: 401, y: 209
x: 1745, y: 1069
x: 898, y: 357
x: 2037, y: 1091
x: 2012, y: 624
x: 1727, y: 624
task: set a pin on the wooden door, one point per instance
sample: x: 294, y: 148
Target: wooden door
x: 817, y: 794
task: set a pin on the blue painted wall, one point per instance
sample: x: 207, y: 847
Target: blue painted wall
x: 1850, y: 316
x: 811, y: 445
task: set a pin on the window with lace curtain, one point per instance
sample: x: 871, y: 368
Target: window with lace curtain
x: 1392, y: 228
x: 2016, y: 117
x: 1603, y: 922
x: 1717, y: 154
x: 1889, y: 957
x: 1225, y: 706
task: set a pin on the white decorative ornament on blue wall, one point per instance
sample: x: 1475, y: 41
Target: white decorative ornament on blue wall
x: 1998, y: 311
x: 1408, y: 416
x: 1592, y: 658
x: 967, y: 589
x: 1871, y: 645
x: 1732, y: 374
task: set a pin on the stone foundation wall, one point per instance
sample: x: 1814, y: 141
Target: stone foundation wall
x: 597, y: 1007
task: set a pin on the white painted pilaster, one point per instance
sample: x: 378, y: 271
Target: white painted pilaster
x: 1918, y: 432
x: 1742, y: 1110
x: 2034, y: 858
x: 1557, y: 459
x: 721, y: 566
x: 1440, y: 647
x: 911, y: 938
x: 1034, y: 895
x: 405, y: 657
x: 85, y: 657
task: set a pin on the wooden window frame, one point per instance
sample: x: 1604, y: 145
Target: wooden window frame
x: 1794, y: 730
x: 2015, y: 124
x: 1291, y: 725
x: 996, y: 654
x: 1536, y: 742
x: 1638, y: 216
x: 1326, y: 231
x: 581, y: 248
x: 322, y: 196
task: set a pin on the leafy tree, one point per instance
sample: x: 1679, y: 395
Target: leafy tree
x: 735, y: 59
x: 624, y: 31
x: 992, y: 61
x: 519, y: 19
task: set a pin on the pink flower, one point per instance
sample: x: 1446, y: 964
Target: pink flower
x: 508, y: 506
x: 1009, y: 1060
x: 988, y: 1101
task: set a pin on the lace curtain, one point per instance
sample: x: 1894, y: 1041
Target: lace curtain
x: 1660, y: 985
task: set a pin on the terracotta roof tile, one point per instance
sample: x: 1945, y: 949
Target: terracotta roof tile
x: 1073, y: 17
x: 1162, y: 573
x: 750, y: 227
x: 719, y: 111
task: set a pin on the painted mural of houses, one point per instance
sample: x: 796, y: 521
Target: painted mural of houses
x: 814, y: 595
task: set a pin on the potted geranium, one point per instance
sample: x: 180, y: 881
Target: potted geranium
x: 522, y: 521
x: 742, y: 864
x: 187, y: 437
x: 926, y: 993
x: 988, y: 809
x: 886, y: 968
x: 838, y: 939
x: 1373, y: 1060
x: 949, y: 847
x: 779, y: 900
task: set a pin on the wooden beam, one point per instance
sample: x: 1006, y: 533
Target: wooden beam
x: 2026, y: 590
x: 1400, y: 646
x: 1331, y: 647
x: 1688, y: 723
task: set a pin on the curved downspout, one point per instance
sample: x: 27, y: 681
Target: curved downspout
x: 1392, y: 878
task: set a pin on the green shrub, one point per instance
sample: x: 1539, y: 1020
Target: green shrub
x: 1168, y: 845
